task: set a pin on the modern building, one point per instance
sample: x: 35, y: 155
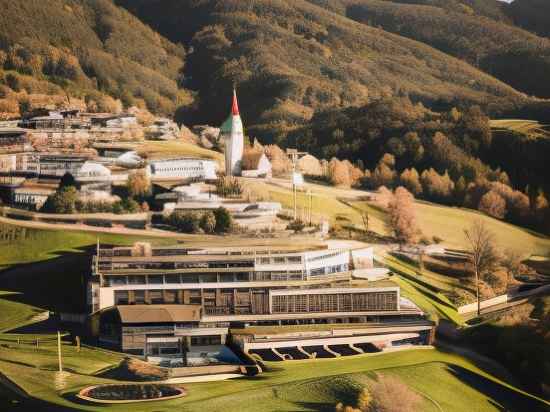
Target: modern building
x: 232, y: 134
x: 185, y: 168
x: 181, y: 297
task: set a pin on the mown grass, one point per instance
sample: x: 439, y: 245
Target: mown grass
x: 34, y: 245
x: 451, y: 381
x: 177, y: 148
x: 422, y: 292
x: 14, y: 314
x: 449, y: 223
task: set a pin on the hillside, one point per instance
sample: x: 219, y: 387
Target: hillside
x: 291, y: 58
x: 511, y: 54
x: 532, y: 15
x: 89, y: 49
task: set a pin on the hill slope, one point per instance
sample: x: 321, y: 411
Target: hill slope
x: 82, y: 47
x: 292, y: 57
x: 511, y: 54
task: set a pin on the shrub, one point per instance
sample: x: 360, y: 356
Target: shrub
x: 224, y: 220
x: 208, y: 222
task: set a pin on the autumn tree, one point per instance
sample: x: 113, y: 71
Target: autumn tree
x: 139, y: 184
x: 411, y: 180
x: 493, y: 204
x: 402, y: 216
x: 483, y: 253
x: 208, y: 222
x: 339, y: 173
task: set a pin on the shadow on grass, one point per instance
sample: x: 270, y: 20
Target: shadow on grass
x: 503, y: 398
x: 57, y: 284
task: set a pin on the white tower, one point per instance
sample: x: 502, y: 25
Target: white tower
x: 232, y: 133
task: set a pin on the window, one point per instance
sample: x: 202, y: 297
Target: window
x: 136, y: 280
x: 279, y: 260
x: 155, y: 279
x: 139, y: 297
x: 294, y: 259
x: 121, y: 297
x: 174, y: 278
x: 155, y: 297
x: 170, y: 296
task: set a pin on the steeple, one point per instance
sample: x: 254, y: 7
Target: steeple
x: 235, y: 106
x: 233, y: 136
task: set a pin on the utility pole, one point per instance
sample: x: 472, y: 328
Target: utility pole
x: 59, y: 351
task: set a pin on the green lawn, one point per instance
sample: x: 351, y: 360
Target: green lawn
x: 422, y: 291
x: 177, y: 148
x: 14, y: 314
x: 451, y: 381
x: 448, y: 223
x: 34, y: 245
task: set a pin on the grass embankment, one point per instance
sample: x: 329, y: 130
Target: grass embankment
x: 14, y: 314
x: 452, y: 382
x: 177, y: 148
x: 425, y: 290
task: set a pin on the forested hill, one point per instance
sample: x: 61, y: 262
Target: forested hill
x: 89, y: 49
x: 291, y: 58
x: 509, y: 53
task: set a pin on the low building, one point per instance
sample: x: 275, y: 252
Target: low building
x: 162, y: 129
x: 94, y: 180
x: 31, y: 197
x: 180, y: 297
x: 13, y: 140
x: 57, y: 165
x: 256, y: 164
x: 52, y: 120
x: 191, y: 169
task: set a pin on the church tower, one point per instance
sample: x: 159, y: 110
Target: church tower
x: 232, y: 133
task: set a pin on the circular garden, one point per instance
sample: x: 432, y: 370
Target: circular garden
x: 126, y: 393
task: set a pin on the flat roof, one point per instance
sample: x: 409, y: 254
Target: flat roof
x: 159, y: 313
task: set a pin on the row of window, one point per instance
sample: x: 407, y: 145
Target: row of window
x: 345, y: 302
x: 113, y: 280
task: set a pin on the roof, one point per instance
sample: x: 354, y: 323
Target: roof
x: 235, y: 104
x: 159, y: 313
x: 251, y: 159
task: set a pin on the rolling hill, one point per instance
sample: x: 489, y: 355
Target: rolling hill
x: 511, y: 54
x: 88, y: 49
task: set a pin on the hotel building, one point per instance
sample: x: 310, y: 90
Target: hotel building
x: 163, y: 301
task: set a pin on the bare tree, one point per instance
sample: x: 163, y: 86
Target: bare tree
x: 484, y: 256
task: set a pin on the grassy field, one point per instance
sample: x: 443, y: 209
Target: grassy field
x: 344, y: 207
x: 448, y: 223
x: 177, y: 148
x: 530, y: 128
x: 452, y: 382
x: 14, y: 314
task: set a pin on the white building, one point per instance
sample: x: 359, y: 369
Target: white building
x: 183, y: 168
x: 233, y: 136
x: 256, y: 164
x: 31, y: 197
x: 58, y: 165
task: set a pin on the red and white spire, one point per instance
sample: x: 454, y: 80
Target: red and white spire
x: 235, y: 105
